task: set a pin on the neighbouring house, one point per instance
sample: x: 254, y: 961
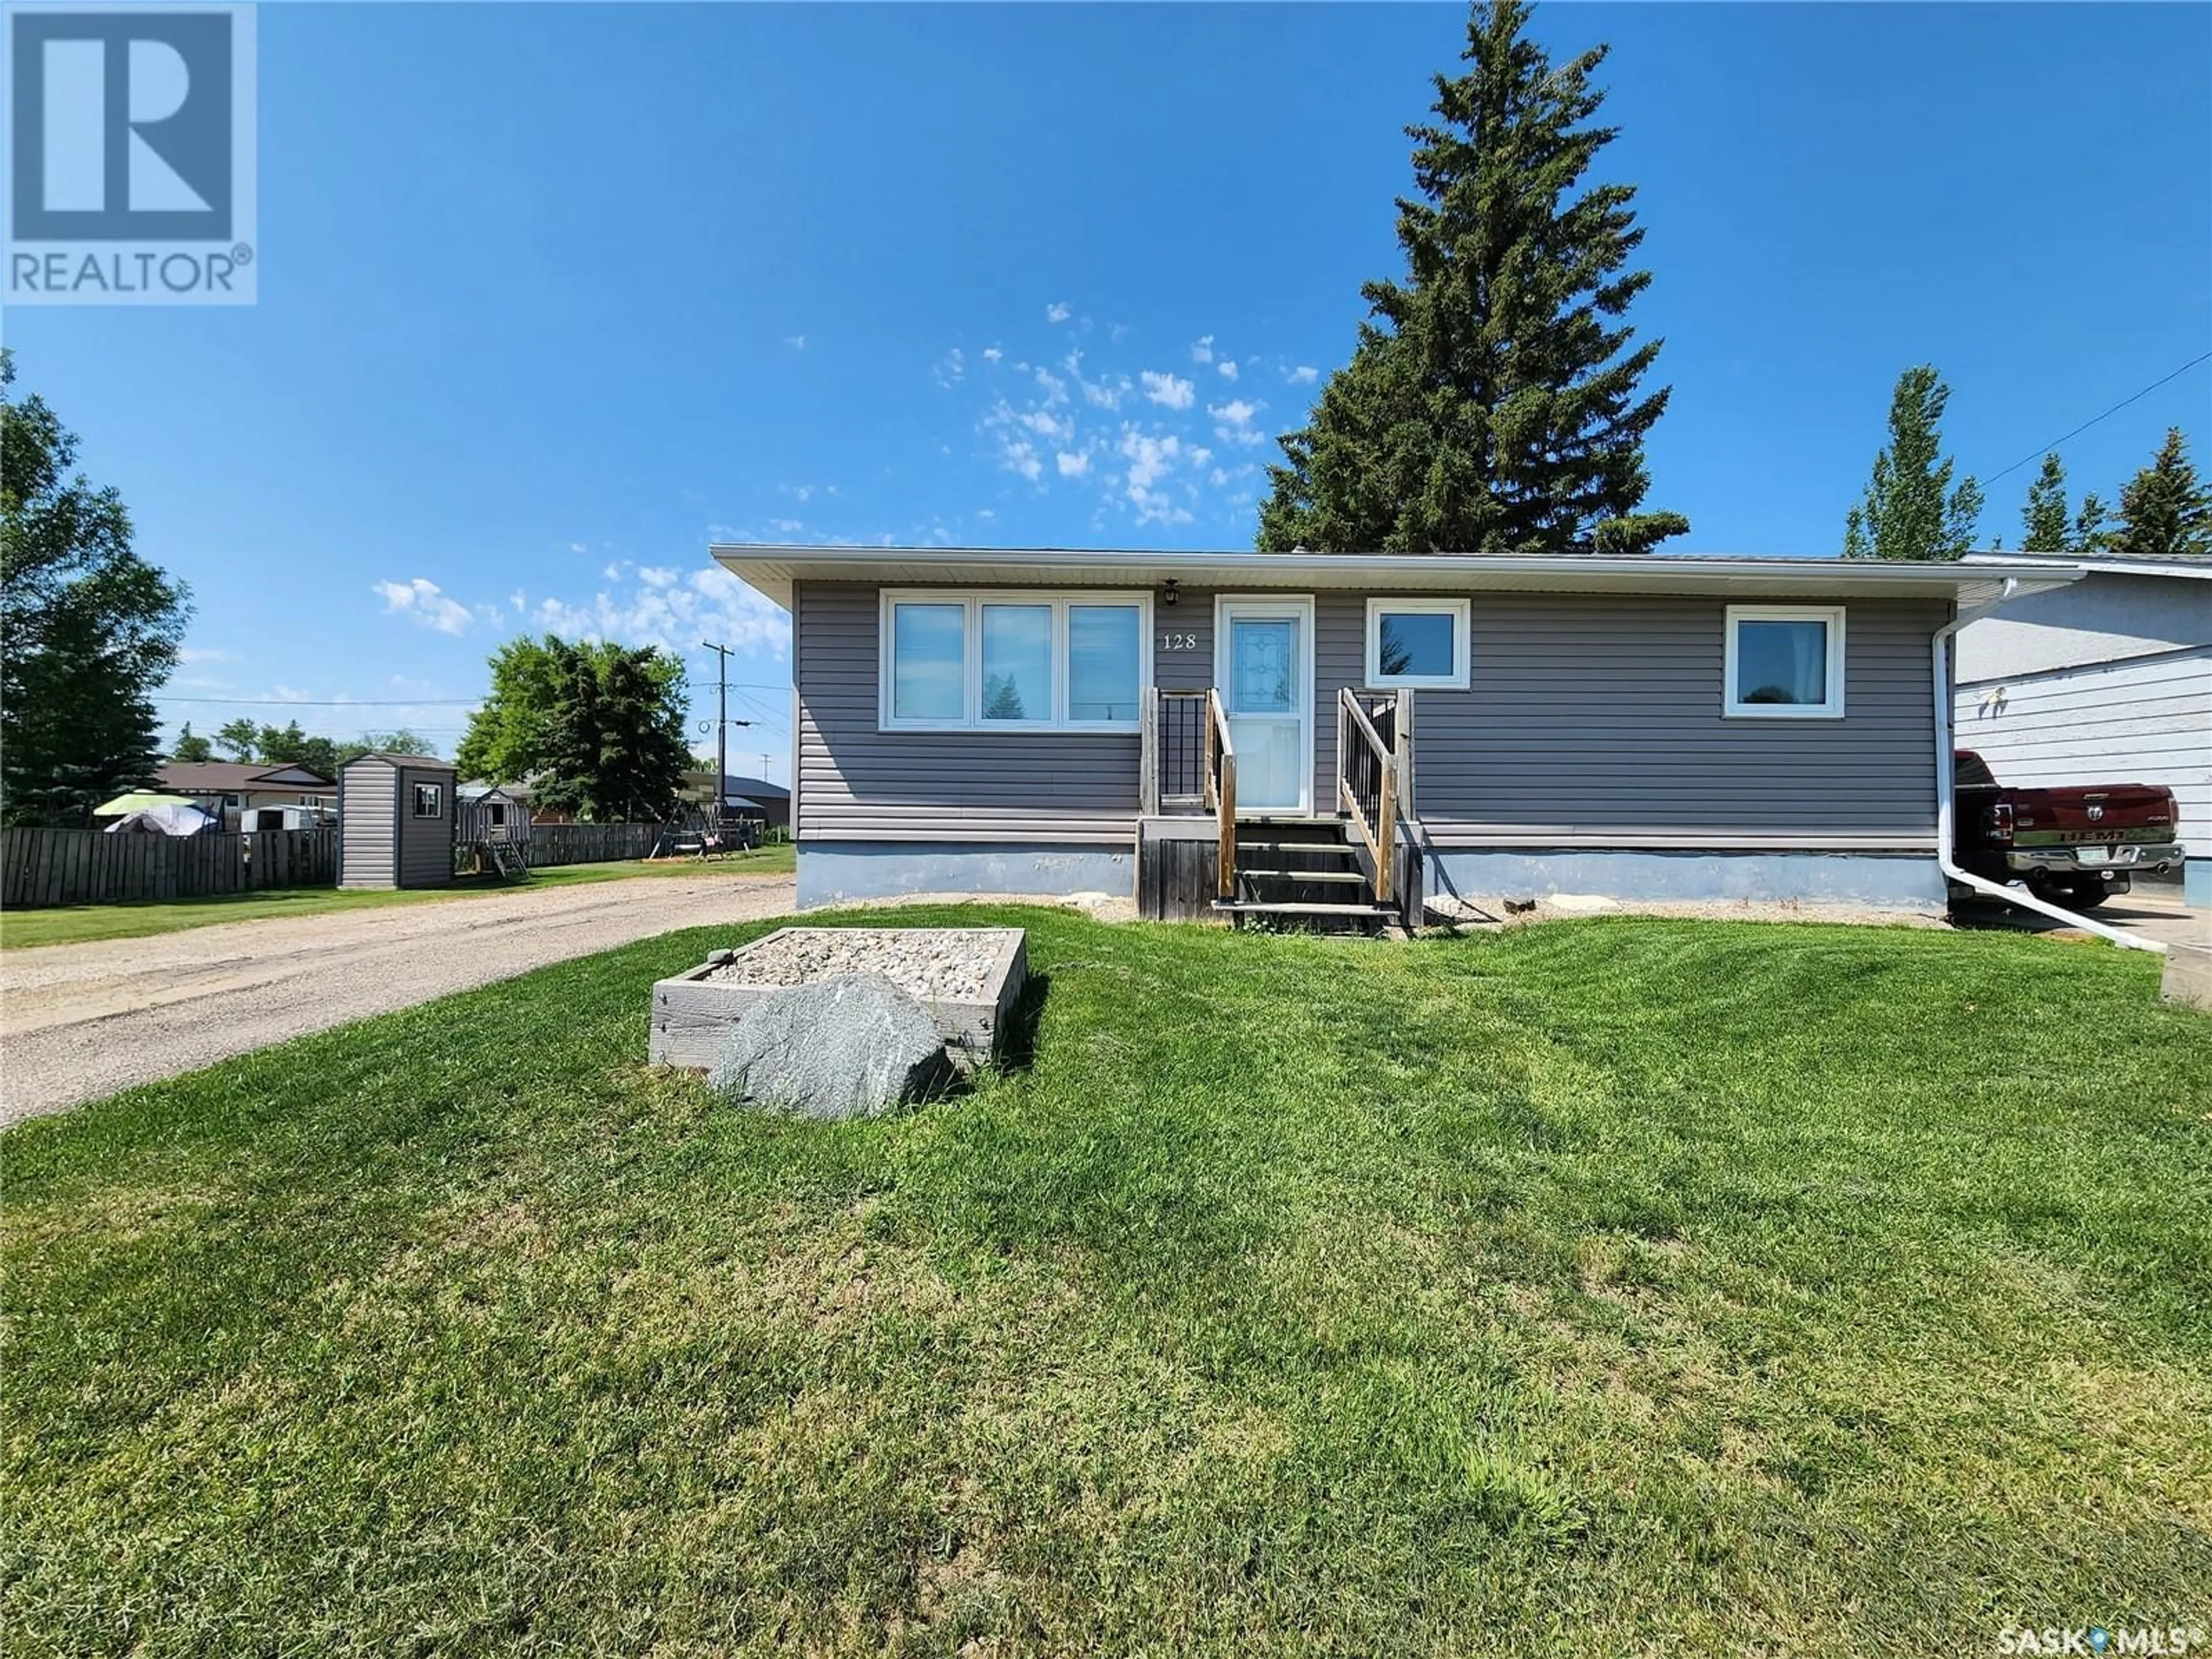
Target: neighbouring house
x: 1311, y: 732
x: 396, y: 817
x: 228, y: 790
x: 752, y: 797
x: 2106, y: 680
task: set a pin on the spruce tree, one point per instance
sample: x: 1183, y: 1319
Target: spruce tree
x: 2166, y: 512
x: 191, y: 747
x: 1492, y: 404
x: 1910, y: 510
x: 2043, y: 517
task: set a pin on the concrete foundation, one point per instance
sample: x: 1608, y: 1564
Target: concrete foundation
x: 1891, y: 880
x: 836, y: 873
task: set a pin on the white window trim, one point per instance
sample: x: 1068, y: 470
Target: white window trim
x: 1832, y: 709
x: 971, y: 655
x: 437, y: 801
x: 1461, y: 676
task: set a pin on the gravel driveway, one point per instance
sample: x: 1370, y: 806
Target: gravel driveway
x: 78, y: 1022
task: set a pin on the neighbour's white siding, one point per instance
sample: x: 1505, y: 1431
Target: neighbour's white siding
x: 2144, y: 721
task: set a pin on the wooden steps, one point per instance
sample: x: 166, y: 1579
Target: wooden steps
x: 1303, y: 874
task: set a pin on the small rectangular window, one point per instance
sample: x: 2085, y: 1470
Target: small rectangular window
x: 1784, y: 662
x: 1419, y: 643
x: 929, y: 662
x: 1018, y: 663
x: 429, y: 800
x: 1105, y: 647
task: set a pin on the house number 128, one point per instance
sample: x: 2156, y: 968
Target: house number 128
x: 1178, y: 641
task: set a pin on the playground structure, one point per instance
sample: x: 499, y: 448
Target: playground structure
x: 491, y: 834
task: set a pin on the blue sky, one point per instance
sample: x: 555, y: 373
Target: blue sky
x: 552, y: 296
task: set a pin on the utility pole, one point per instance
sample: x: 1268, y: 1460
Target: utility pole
x: 721, y: 728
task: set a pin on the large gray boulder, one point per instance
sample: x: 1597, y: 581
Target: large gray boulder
x: 853, y: 1045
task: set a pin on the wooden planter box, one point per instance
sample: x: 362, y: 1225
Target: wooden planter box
x: 693, y: 1013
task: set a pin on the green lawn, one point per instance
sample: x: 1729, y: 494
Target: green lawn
x: 1606, y: 1287
x: 74, y: 924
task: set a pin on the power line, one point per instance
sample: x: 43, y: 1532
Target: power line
x: 2041, y: 450
x: 333, y: 702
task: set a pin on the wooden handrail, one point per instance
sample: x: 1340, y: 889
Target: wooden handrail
x: 1381, y: 835
x: 1221, y: 792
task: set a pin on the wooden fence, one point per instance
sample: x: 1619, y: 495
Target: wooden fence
x: 589, y: 843
x: 39, y: 867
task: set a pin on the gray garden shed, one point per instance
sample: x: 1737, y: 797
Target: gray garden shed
x: 395, y: 821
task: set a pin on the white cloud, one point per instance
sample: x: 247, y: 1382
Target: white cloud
x: 1228, y: 366
x: 578, y: 547
x: 1201, y: 455
x: 1057, y: 312
x: 1303, y: 374
x: 950, y: 369
x: 1045, y: 424
x: 1019, y: 455
x: 1071, y: 466
x: 1201, y: 350
x: 1168, y: 390
x: 1235, y: 421
x: 985, y: 513
x: 518, y: 600
x: 194, y: 653
x: 704, y: 604
x: 1055, y: 388
x: 991, y: 354
x: 1150, y: 457
x: 613, y: 572
x: 786, y: 526
x: 422, y: 603
x: 659, y: 575
x: 796, y: 341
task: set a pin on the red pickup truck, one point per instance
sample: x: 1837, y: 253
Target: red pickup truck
x: 2075, y: 846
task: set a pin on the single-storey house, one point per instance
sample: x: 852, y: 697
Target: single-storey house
x: 1236, y: 727
x: 226, y: 789
x: 2106, y: 680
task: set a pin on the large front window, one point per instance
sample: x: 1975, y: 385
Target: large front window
x: 1784, y: 662
x: 1012, y: 661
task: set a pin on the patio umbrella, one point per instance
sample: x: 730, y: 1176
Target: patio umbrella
x: 138, y: 800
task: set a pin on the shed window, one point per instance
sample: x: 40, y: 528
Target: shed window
x: 429, y: 800
x: 1421, y: 643
x: 1784, y: 662
x: 1012, y: 661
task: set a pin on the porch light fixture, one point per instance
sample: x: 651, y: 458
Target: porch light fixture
x: 1168, y: 594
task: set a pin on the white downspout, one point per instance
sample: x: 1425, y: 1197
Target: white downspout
x: 1946, y: 804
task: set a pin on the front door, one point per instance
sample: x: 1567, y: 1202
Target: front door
x: 1263, y: 668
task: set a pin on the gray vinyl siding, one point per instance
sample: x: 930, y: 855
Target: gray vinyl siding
x: 365, y: 838
x: 1592, y: 720
x: 856, y: 783
x: 380, y: 842
x: 426, y: 845
x: 1597, y: 721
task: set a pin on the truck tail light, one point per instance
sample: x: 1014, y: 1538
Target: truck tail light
x: 2001, y: 823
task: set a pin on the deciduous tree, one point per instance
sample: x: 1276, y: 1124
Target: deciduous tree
x: 88, y: 630
x: 2043, y: 519
x: 1911, y: 510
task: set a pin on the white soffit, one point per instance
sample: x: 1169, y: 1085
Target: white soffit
x: 773, y: 569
